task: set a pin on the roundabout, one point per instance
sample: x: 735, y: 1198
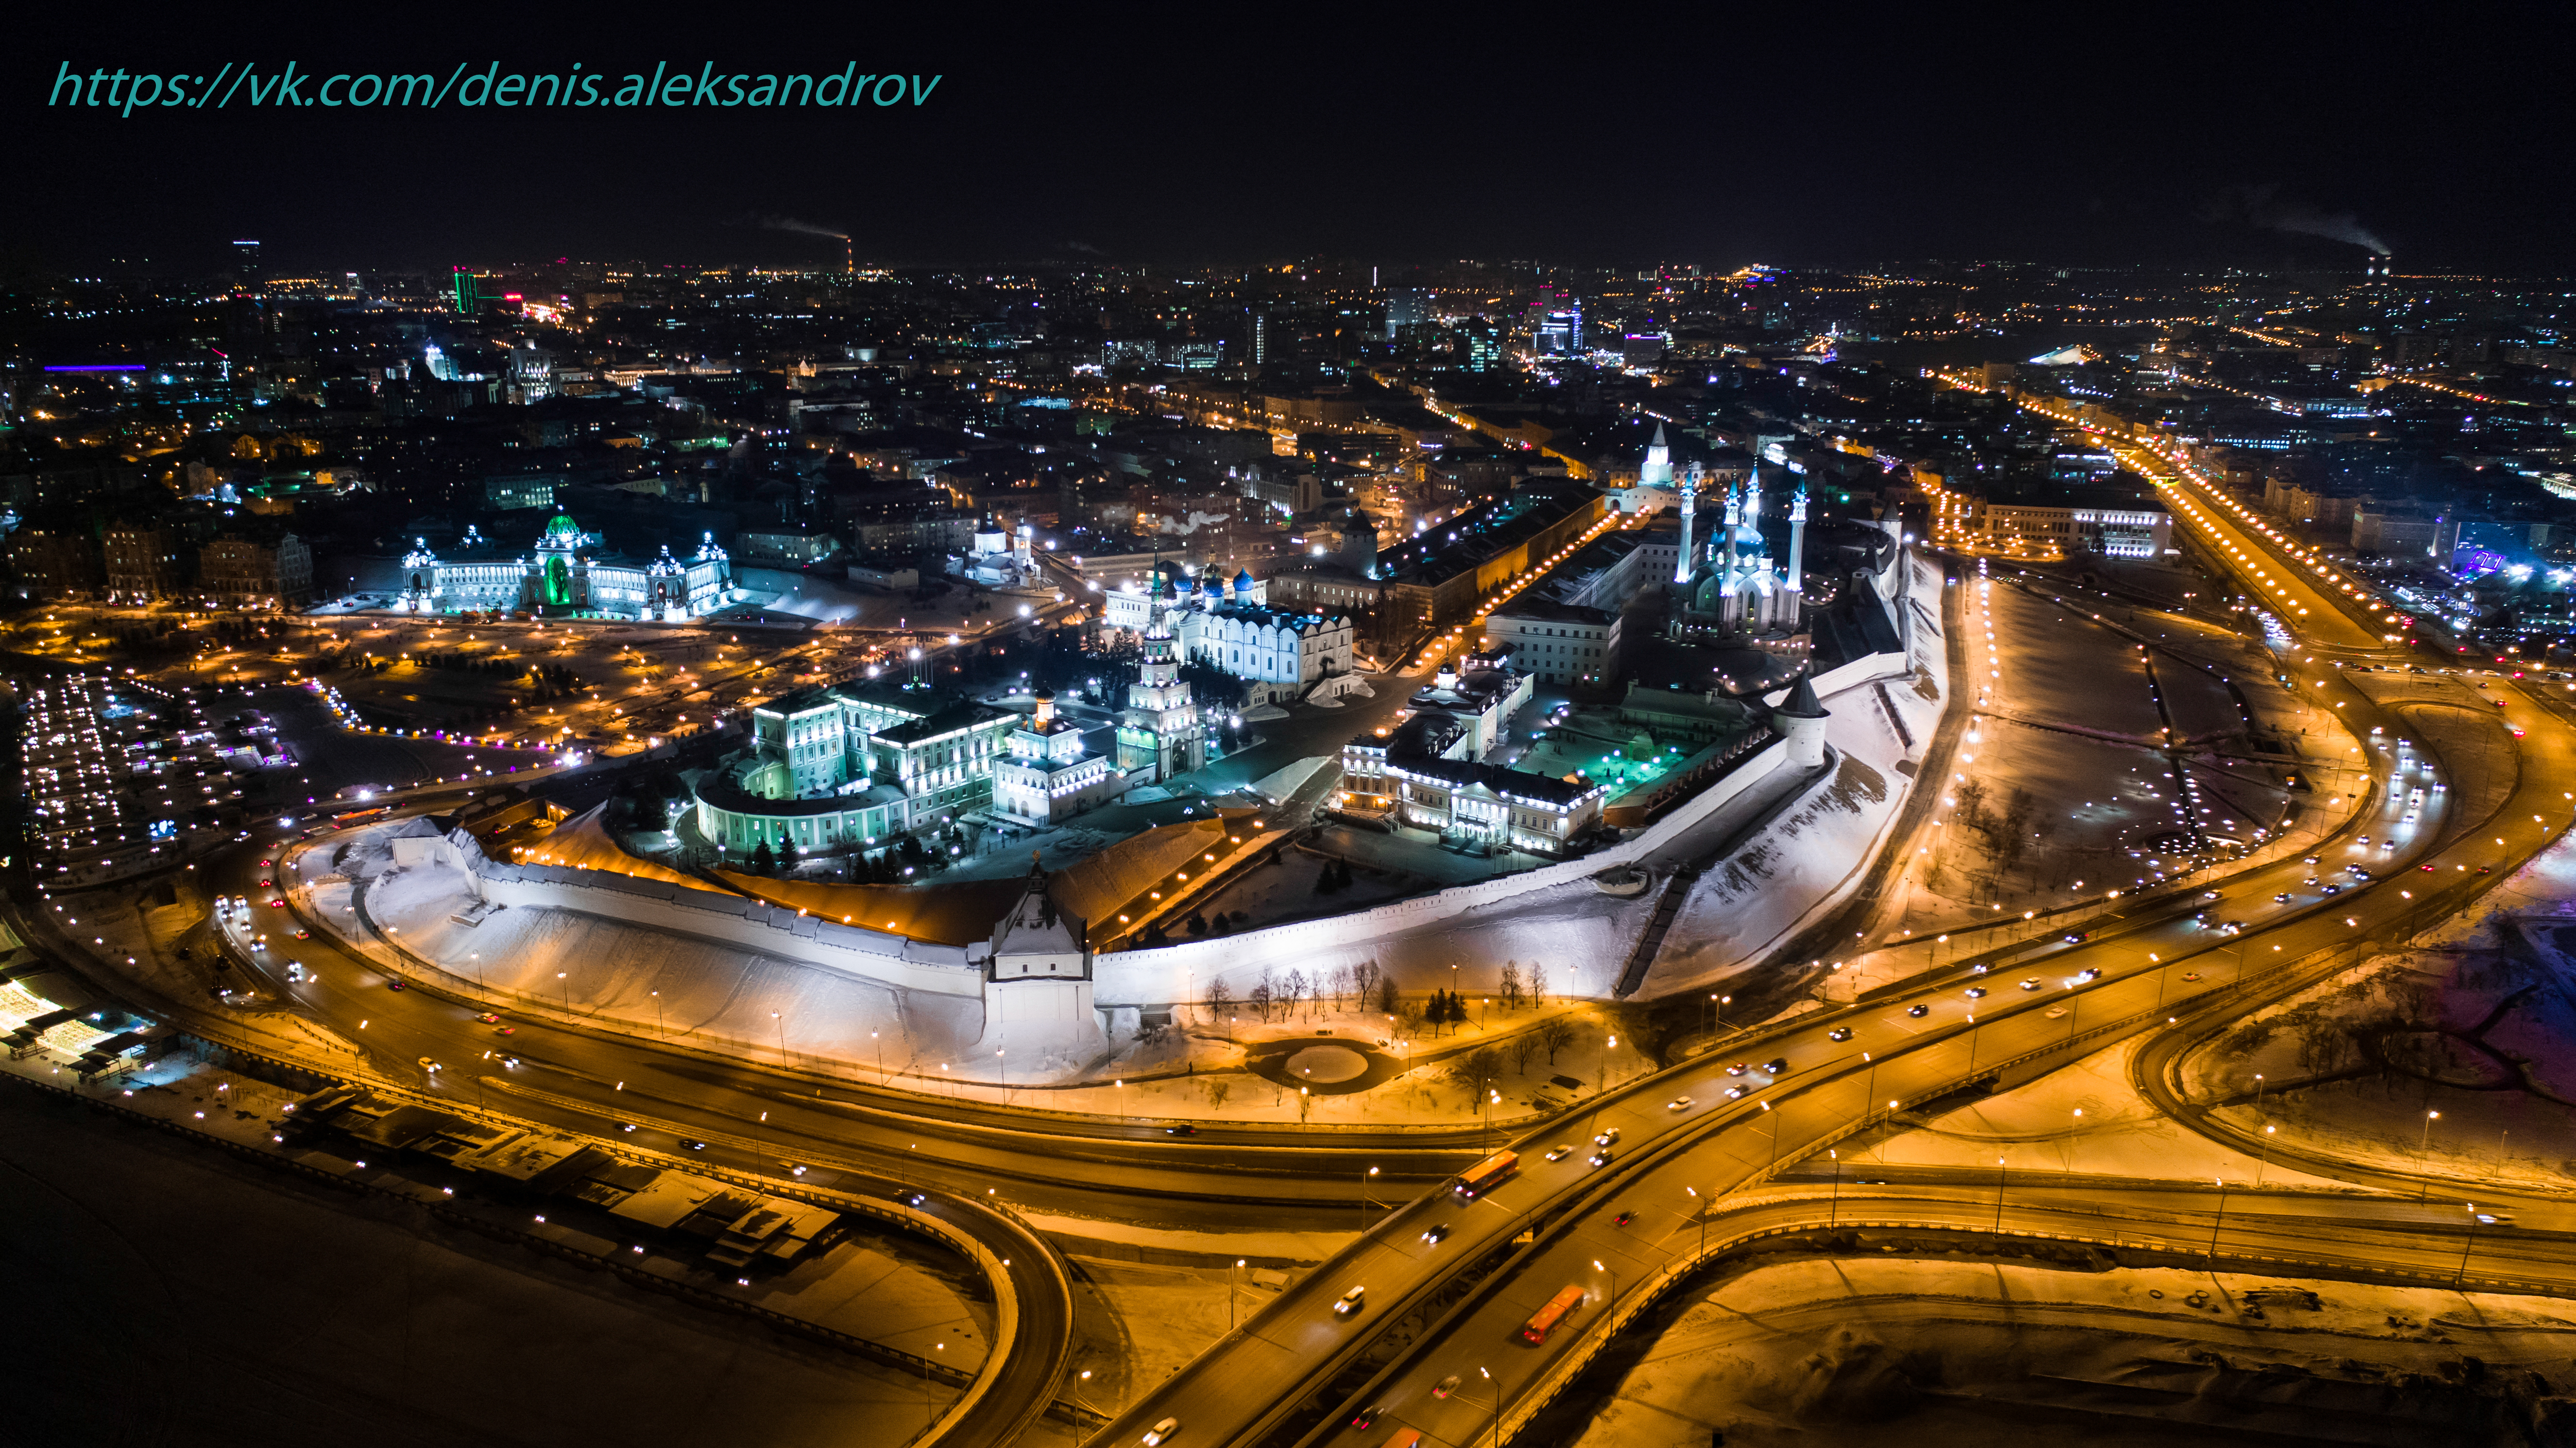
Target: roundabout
x: 1322, y: 1065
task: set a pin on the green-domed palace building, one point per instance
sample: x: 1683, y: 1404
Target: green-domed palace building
x: 566, y: 577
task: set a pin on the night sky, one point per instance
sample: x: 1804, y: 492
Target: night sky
x: 2074, y: 134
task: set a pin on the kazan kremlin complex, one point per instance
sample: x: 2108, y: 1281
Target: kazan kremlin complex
x: 1725, y: 781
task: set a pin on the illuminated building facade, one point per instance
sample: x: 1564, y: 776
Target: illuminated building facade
x: 1048, y: 775
x: 1276, y: 652
x: 1734, y: 587
x: 562, y: 577
x: 844, y: 768
x: 1431, y: 771
x: 1159, y: 733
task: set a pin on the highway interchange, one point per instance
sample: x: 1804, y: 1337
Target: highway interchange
x: 1290, y: 1377
x: 1298, y: 1373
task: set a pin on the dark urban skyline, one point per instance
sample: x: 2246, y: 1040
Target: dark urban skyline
x: 2202, y: 138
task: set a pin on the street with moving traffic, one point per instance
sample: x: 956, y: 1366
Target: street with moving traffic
x: 1685, y: 1139
x: 1603, y: 1207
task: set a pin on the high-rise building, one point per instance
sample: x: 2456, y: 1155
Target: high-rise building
x: 1560, y: 329
x: 1406, y: 307
x: 143, y: 564
x: 53, y: 564
x: 1484, y: 347
x: 246, y: 258
x: 241, y: 572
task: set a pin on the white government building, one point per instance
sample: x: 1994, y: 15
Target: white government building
x: 562, y: 575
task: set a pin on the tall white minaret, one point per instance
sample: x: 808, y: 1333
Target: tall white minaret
x: 1796, y: 539
x: 1797, y: 576
x: 1734, y: 515
x: 1690, y: 508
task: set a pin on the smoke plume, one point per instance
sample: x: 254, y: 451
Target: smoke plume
x: 790, y: 223
x: 2265, y: 207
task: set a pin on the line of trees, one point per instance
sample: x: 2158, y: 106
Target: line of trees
x: 1281, y: 994
x: 2010, y: 828
x: 1325, y: 987
x: 887, y: 866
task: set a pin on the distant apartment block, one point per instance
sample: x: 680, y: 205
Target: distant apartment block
x: 238, y: 572
x: 52, y: 564
x: 144, y: 565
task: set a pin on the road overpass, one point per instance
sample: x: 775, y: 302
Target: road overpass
x: 1296, y: 1370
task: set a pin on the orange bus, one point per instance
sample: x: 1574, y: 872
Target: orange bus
x: 1481, y: 1178
x: 1546, y: 1318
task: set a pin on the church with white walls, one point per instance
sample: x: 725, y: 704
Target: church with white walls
x: 1278, y: 654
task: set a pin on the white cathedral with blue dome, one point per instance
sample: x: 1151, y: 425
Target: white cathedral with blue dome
x: 1276, y: 653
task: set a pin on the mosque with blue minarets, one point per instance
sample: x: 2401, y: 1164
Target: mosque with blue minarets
x: 1726, y: 583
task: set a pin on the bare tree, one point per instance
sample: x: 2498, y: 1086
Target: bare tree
x: 1260, y: 996
x: 1219, y: 996
x: 1538, y: 984
x: 1407, y: 1013
x: 1298, y: 988
x: 1388, y: 998
x: 1522, y: 1045
x: 1477, y: 1070
x: 2012, y: 830
x: 1218, y: 1090
x: 1971, y: 807
x: 1556, y: 1035
x: 1511, y: 984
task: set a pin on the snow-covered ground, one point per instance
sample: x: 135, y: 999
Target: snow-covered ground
x: 689, y: 990
x: 714, y: 994
x: 1935, y: 1353
x: 2082, y: 1120
x: 1817, y: 846
x: 2474, y: 1023
x: 2093, y: 800
x: 1141, y: 1322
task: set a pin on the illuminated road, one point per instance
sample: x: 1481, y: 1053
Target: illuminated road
x: 2309, y: 592
x: 1297, y: 1372
x: 571, y: 1080
x: 1265, y: 1177
x: 1289, y: 1362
